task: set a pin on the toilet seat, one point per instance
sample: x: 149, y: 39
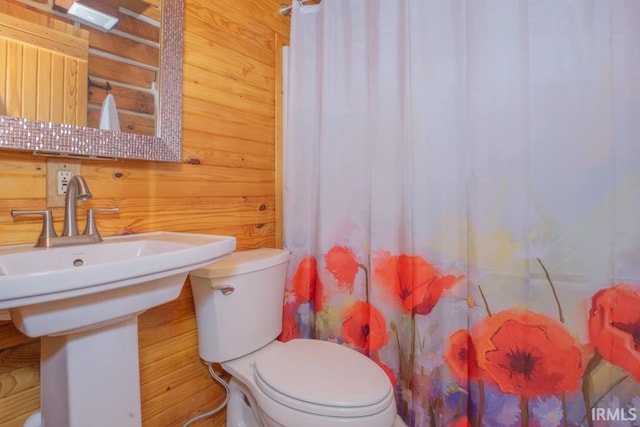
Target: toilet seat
x: 323, y: 378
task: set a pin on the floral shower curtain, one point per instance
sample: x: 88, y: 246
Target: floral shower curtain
x: 462, y: 203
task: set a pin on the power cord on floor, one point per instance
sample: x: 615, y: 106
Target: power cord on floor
x: 220, y: 407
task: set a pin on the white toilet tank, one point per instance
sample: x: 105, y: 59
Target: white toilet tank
x: 239, y: 303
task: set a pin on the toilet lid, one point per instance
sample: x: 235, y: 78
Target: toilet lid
x: 313, y: 374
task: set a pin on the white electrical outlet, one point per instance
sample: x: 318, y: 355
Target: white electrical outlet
x: 63, y: 180
x: 59, y: 173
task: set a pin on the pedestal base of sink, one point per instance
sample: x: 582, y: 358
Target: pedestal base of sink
x: 92, y: 378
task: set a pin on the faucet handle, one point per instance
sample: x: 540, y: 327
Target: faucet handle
x: 47, y: 226
x: 91, y: 229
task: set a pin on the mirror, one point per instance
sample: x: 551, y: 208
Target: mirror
x: 49, y: 138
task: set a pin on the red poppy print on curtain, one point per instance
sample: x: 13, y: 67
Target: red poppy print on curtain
x: 364, y: 327
x: 307, y: 285
x: 341, y: 262
x: 460, y: 356
x: 528, y: 354
x: 387, y: 370
x: 413, y: 281
x: 290, y: 328
x: 614, y: 326
x: 461, y: 422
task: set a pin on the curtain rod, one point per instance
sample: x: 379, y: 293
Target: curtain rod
x: 286, y: 9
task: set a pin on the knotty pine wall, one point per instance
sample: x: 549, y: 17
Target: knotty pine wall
x: 226, y: 184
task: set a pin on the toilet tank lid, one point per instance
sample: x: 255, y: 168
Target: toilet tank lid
x: 243, y: 262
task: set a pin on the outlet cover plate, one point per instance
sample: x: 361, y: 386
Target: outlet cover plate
x: 54, y: 200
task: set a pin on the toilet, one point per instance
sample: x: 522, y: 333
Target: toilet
x: 302, y: 382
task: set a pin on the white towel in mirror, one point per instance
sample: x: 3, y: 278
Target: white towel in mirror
x: 109, y: 114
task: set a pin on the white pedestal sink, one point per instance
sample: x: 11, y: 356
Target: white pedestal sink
x: 84, y: 302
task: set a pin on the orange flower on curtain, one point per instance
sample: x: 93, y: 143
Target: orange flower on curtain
x: 341, y: 262
x: 290, y: 328
x: 614, y: 326
x: 307, y: 285
x: 387, y: 370
x: 460, y: 356
x: 364, y: 327
x: 413, y: 281
x: 461, y: 422
x: 528, y: 354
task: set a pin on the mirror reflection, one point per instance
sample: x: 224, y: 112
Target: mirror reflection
x: 57, y: 67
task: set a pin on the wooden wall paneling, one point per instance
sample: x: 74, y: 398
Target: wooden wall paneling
x: 207, y: 399
x: 23, y: 9
x: 234, y: 94
x: 43, y: 80
x: 75, y: 84
x: 148, y: 8
x: 260, y: 15
x: 278, y: 153
x: 166, y: 391
x: 82, y: 92
x: 175, y: 181
x: 69, y: 90
x: 20, y: 10
x: 164, y: 330
x: 3, y: 77
x: 227, y: 33
x: 13, y: 85
x: 22, y: 177
x: 141, y: 125
x: 137, y: 124
x: 227, y: 151
x: 108, y: 69
x: 226, y: 184
x: 19, y: 382
x: 19, y: 368
x: 29, y: 93
x: 185, y: 214
x: 255, y: 109
x: 226, y: 62
x: 137, y: 113
x: 136, y: 27
x: 11, y: 337
x: 44, y: 36
x: 130, y: 99
x: 124, y: 47
x: 29, y: 83
x: 15, y: 408
x: 234, y: 127
x: 240, y: 123
x: 57, y: 88
x: 162, y: 364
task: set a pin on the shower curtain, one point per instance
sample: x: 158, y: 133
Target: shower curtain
x: 462, y: 203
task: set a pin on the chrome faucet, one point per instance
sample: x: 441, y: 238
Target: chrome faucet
x: 77, y: 189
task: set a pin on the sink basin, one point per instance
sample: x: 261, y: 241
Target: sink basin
x: 57, y: 290
x: 84, y: 302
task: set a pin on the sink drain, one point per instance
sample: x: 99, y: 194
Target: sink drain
x: 78, y: 262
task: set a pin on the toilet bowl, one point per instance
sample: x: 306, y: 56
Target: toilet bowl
x: 301, y: 382
x: 339, y: 389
